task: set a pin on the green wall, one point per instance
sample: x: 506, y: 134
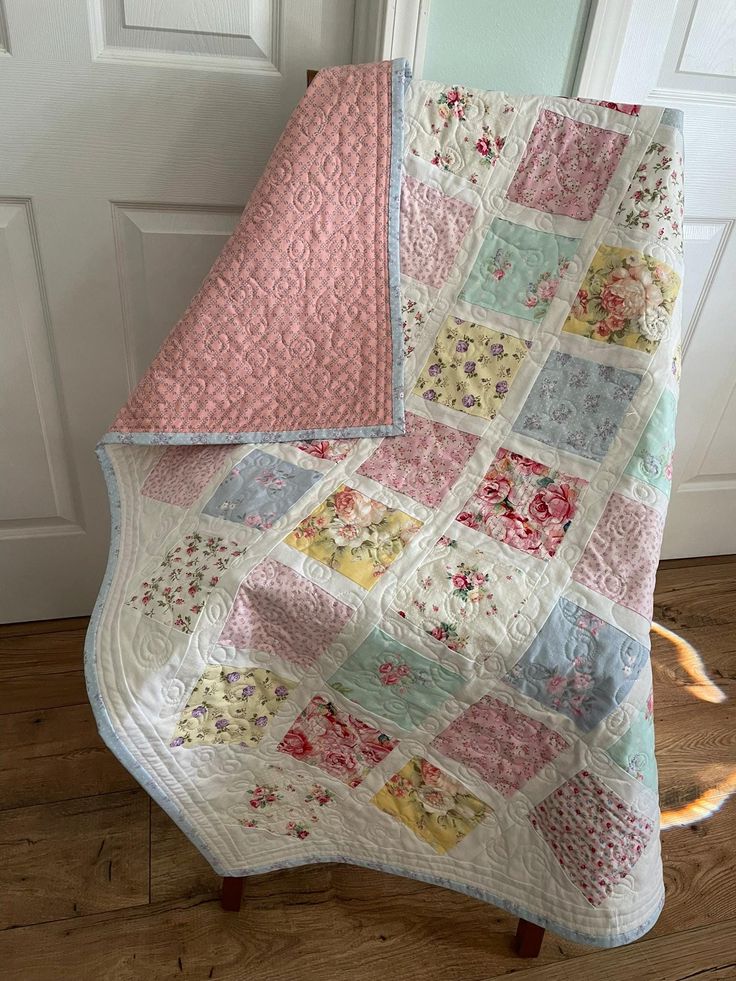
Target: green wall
x: 524, y: 46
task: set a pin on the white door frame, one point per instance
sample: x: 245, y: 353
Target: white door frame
x: 386, y: 29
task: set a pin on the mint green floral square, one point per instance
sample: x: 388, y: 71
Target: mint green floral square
x: 393, y: 681
x: 634, y: 751
x: 518, y: 270
x: 652, y: 458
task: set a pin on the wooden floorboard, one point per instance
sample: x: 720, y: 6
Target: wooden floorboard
x: 101, y: 884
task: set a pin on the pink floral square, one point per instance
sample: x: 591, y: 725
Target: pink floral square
x: 620, y: 559
x: 432, y: 227
x: 336, y: 742
x: 424, y: 463
x: 280, y: 612
x: 524, y: 504
x: 183, y: 472
x: 596, y: 837
x: 503, y: 746
x: 567, y: 166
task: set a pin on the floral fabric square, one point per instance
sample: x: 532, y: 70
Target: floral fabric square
x: 334, y: 450
x: 620, y: 559
x: 259, y: 490
x: 577, y: 405
x: 655, y: 202
x: 336, y: 742
x: 579, y: 665
x: 652, y: 458
x: 279, y: 612
x: 176, y: 591
x: 183, y: 472
x: 523, y: 504
x: 518, y: 270
x: 230, y: 705
x: 567, y: 166
x: 463, y: 597
x: 289, y: 804
x: 596, y: 837
x: 393, y: 681
x: 355, y: 535
x: 422, y: 464
x: 415, y: 312
x: 433, y: 226
x: 456, y: 129
x: 625, y: 298
x: 634, y: 751
x: 471, y: 368
x: 503, y: 746
x: 437, y: 808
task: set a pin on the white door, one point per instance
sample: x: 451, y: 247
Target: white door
x: 684, y: 55
x: 132, y: 134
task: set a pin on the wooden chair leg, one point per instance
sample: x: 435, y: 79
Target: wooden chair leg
x: 528, y: 941
x: 232, y: 893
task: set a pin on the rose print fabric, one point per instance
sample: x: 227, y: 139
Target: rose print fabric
x: 336, y: 741
x: 523, y: 504
x: 230, y: 705
x: 259, y: 490
x: 596, y: 837
x: 518, y: 270
x: 176, y: 591
x: 505, y: 747
x: 438, y: 809
x: 567, y: 166
x: 471, y: 368
x: 392, y: 681
x: 397, y: 615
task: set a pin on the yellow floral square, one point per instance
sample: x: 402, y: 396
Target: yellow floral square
x: 626, y: 298
x: 433, y: 805
x: 471, y: 368
x: 355, y: 535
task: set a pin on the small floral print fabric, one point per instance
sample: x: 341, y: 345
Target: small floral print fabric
x: 579, y: 665
x: 296, y: 623
x: 596, y: 837
x: 230, y: 705
x: 392, y: 681
x: 433, y: 226
x: 334, y: 450
x: 432, y: 804
x: 627, y: 108
x: 259, y: 490
x: 355, y: 535
x: 424, y: 463
x: 518, y: 270
x: 576, y: 404
x: 183, y: 472
x: 176, y: 591
x: 286, y: 804
x: 335, y: 741
x: 634, y: 751
x: 414, y: 316
x: 454, y: 596
x: 567, y: 166
x: 652, y: 458
x: 625, y: 298
x: 620, y: 559
x: 523, y: 504
x: 655, y: 202
x: 471, y: 368
x: 504, y: 747
x: 457, y: 129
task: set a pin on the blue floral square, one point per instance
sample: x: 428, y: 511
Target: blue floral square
x: 259, y: 490
x: 393, y: 681
x: 577, y: 405
x: 518, y: 270
x: 579, y: 665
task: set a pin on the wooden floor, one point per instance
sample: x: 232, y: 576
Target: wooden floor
x: 99, y: 884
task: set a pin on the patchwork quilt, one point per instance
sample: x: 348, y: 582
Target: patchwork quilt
x: 387, y: 506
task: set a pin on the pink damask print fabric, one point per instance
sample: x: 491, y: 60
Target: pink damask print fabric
x: 567, y: 166
x: 183, y: 472
x: 433, y: 226
x: 270, y: 317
